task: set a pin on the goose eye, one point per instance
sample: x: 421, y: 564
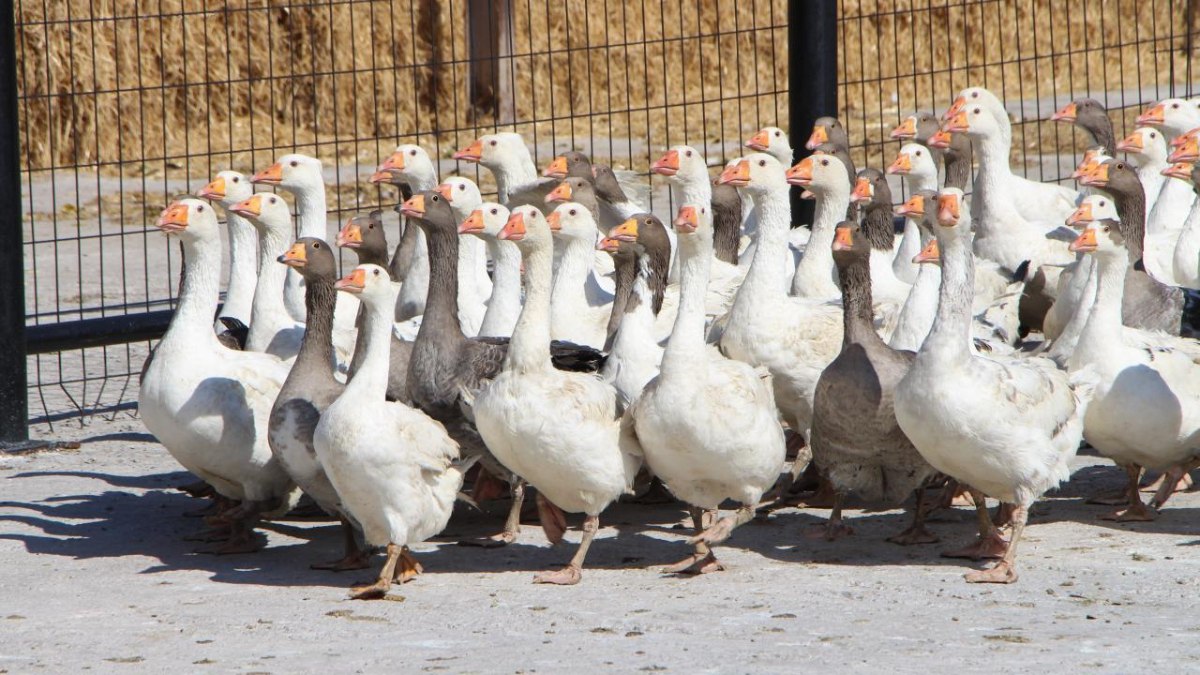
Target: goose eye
x: 974, y: 94
x: 824, y: 162
x: 917, y: 153
x: 371, y: 226
x: 272, y: 200
x: 762, y: 162
x: 571, y: 212
x: 462, y: 187
x: 236, y: 179
x: 412, y: 153
x: 295, y: 163
x: 436, y: 198
x: 1175, y: 106
x: 492, y: 143
x: 1152, y: 135
x: 375, y: 272
x: 1107, y: 228
x: 494, y: 212
x: 975, y: 111
x: 688, y: 153
x: 199, y: 208
x: 316, y: 244
x: 1103, y: 203
x: 778, y: 134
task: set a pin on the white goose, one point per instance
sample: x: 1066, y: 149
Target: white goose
x: 825, y: 177
x: 411, y: 164
x: 504, y: 305
x: 395, y: 469
x: 914, y: 162
x: 209, y: 405
x: 558, y: 430
x: 1146, y: 407
x: 576, y: 314
x: 507, y: 157
x: 1172, y: 117
x: 227, y: 189
x: 1007, y: 428
x: 707, y: 424
x: 1146, y: 148
x: 794, y: 338
x: 1187, y: 246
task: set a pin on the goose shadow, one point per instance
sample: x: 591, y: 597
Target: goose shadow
x: 153, y: 481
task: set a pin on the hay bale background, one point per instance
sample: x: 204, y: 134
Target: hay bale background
x: 150, y: 93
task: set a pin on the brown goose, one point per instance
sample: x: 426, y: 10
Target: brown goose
x: 1091, y: 116
x: 309, y: 389
x: 856, y: 440
x: 727, y: 222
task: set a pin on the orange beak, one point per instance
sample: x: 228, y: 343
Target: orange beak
x: 1131, y: 143
x: 1088, y: 164
x: 473, y: 223
x: 295, y: 256
x: 1097, y: 176
x: 940, y: 139
x: 667, y: 165
x: 958, y: 124
x: 1180, y: 170
x: 863, y: 191
x: 626, y: 231
x: 915, y: 206
x: 414, y: 207
x: 1183, y: 138
x: 1154, y: 116
x: 394, y: 163
x: 1068, y: 113
x: 906, y: 130
x: 802, y: 173
x: 514, y: 229
x: 555, y: 221
x: 760, y: 141
x: 350, y: 236
x: 214, y: 190
x: 174, y: 218
x: 843, y: 239
x: 1081, y: 215
x: 1188, y: 152
x: 557, y: 168
x: 471, y: 153
x: 929, y: 254
x: 737, y: 175
x: 446, y: 190
x: 561, y: 193
x: 354, y: 282
x: 608, y: 244
x: 1084, y: 243
x: 272, y: 175
x: 687, y: 220
x: 956, y: 107
x: 818, y: 136
x: 250, y: 208
x: 948, y: 210
x: 903, y: 164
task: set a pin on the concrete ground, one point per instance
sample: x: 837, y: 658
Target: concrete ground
x: 95, y: 575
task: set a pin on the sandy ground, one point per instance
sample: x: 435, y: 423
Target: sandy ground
x: 95, y: 573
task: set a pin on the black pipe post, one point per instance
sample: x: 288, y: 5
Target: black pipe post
x: 812, y: 79
x: 14, y: 403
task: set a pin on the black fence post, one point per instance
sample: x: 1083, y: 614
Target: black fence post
x: 812, y: 79
x: 14, y: 403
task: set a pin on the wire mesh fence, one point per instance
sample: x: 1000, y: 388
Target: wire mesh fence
x: 125, y: 104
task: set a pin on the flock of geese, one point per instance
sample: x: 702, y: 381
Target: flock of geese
x: 607, y: 351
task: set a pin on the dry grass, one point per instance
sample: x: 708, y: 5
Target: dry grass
x: 242, y: 78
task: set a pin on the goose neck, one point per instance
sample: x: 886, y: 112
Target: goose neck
x: 529, y: 350
x: 857, y: 309
x: 512, y: 174
x: 243, y: 265
x: 574, y: 266
x: 505, y: 302
x: 948, y: 340
x: 310, y: 202
x: 370, y: 381
x: 817, y: 262
x: 1103, y: 326
x: 691, y: 191
x: 441, y: 303
x: 316, y: 355
x: 193, y: 318
x: 268, y: 294
x: 686, y: 344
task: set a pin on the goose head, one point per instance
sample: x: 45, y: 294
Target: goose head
x: 527, y: 227
x: 914, y: 160
x: 976, y: 96
x: 644, y: 236
x: 682, y: 164
x: 431, y: 211
x: 190, y: 219
x: 371, y: 284
x: 572, y: 189
x: 974, y: 120
x: 919, y: 126
x: 1173, y: 115
x: 267, y: 211
x: 293, y: 173
x: 828, y: 130
x: 227, y: 189
x: 312, y: 258
x: 463, y: 195
x: 1101, y: 234
x: 1185, y: 171
x: 871, y: 190
x: 495, y: 150
x: 606, y: 184
x: 409, y: 163
x: 951, y: 216
x: 363, y: 233
x: 820, y: 174
x: 942, y: 139
x: 758, y: 173
x: 1086, y: 113
x: 1145, y: 145
x: 1113, y: 176
x: 1093, y: 157
x: 921, y: 208
x: 573, y: 163
x: 1092, y: 208
x: 773, y: 141
x: 486, y: 221
x: 571, y: 221
x: 1186, y: 151
x: 849, y: 243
